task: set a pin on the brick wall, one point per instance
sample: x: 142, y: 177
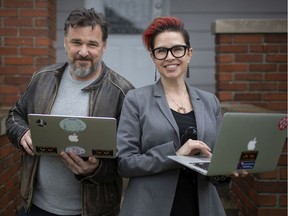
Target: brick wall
x: 251, y: 68
x: 27, y: 37
x: 27, y: 43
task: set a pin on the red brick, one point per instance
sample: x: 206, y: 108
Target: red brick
x: 263, y: 86
x: 248, y: 77
x: 224, y: 39
x: 18, y: 41
x: 232, y: 67
x: 248, y: 96
x: 18, y: 4
x: 275, y: 96
x: 283, y: 68
x: 264, y: 48
x: 276, y: 77
x: 276, y: 58
x: 277, y: 106
x: 272, y: 187
x: 44, y: 42
x: 263, y: 67
x: 34, y: 51
x: 42, y: 4
x: 18, y: 22
x: 282, y: 86
x: 268, y: 175
x: 8, y: 51
x: 232, y: 49
x: 8, y: 89
x: 8, y: 32
x: 282, y: 159
x: 283, y: 173
x: 225, y: 58
x: 272, y: 212
x: 283, y: 48
x: 17, y: 80
x: 225, y: 96
x: 248, y: 38
x: 18, y: 60
x: 248, y: 58
x: 267, y: 200
x: 5, y: 12
x: 32, y: 32
x: 283, y: 200
x: 224, y: 77
x: 34, y: 13
x: 275, y: 38
x: 232, y: 86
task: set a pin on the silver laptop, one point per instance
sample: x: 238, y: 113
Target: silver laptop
x: 86, y: 136
x: 246, y: 141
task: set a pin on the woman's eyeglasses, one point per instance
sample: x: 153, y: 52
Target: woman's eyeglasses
x: 162, y: 52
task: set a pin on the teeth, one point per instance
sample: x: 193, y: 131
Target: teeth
x: 171, y: 66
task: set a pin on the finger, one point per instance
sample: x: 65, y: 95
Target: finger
x: 204, y: 149
x: 92, y: 160
x: 235, y: 174
x: 27, y: 148
x: 71, y: 163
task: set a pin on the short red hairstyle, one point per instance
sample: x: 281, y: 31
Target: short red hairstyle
x: 162, y: 24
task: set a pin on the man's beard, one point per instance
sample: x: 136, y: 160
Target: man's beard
x: 83, y: 70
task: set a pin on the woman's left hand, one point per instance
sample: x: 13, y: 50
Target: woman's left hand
x: 243, y: 173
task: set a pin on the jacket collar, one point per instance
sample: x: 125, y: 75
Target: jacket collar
x: 197, y: 104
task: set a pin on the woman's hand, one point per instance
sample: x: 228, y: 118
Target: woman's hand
x: 192, y: 147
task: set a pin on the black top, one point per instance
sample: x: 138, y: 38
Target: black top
x: 186, y: 195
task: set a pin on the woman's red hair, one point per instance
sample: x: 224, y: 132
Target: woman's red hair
x: 158, y: 25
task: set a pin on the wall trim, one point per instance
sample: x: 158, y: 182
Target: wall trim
x: 249, y: 26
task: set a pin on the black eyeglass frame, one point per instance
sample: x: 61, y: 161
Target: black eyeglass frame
x: 169, y: 49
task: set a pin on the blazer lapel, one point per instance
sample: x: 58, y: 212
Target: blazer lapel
x: 198, y: 108
x: 163, y: 105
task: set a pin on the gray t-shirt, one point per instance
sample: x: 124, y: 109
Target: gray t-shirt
x: 56, y: 188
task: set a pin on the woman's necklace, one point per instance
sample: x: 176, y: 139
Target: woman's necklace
x: 180, y: 109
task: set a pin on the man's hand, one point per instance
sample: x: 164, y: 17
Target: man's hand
x: 77, y: 165
x: 26, y: 143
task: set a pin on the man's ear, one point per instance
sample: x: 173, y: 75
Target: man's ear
x: 104, y: 46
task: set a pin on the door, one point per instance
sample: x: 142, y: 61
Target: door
x: 125, y: 52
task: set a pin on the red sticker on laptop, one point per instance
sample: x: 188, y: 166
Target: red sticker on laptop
x: 283, y: 123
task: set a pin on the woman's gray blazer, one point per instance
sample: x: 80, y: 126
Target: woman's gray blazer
x: 147, y: 133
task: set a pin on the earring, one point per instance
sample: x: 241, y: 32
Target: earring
x: 188, y: 72
x: 155, y: 76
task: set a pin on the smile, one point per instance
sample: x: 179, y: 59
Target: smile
x: 171, y: 66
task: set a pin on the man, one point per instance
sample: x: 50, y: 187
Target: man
x: 83, y: 86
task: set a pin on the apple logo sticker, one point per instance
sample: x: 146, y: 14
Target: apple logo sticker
x: 252, y: 144
x: 73, y: 138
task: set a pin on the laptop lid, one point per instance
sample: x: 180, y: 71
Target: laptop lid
x: 86, y: 136
x: 246, y: 141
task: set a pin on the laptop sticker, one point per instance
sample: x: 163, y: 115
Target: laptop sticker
x: 247, y: 160
x: 102, y: 152
x: 76, y: 149
x: 49, y: 150
x: 73, y: 125
x: 282, y: 125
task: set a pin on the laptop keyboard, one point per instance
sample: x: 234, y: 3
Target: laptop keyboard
x: 203, y: 165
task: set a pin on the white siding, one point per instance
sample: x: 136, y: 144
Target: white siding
x: 198, y: 16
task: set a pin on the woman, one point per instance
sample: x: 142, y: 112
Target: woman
x: 168, y: 118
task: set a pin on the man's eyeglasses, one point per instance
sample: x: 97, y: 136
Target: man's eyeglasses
x: 162, y: 52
